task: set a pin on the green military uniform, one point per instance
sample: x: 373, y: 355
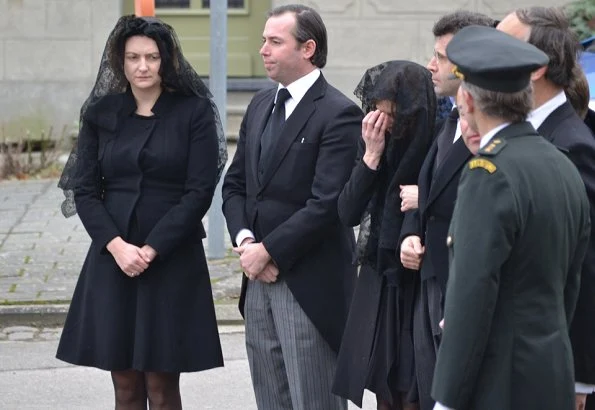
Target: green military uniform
x: 517, y: 240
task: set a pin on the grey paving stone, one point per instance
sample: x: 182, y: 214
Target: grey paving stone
x: 13, y: 244
x: 43, y: 252
x: 21, y: 336
x: 49, y: 336
x: 19, y: 329
x: 63, y: 294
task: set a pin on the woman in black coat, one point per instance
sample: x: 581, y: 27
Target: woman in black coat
x: 377, y: 348
x: 146, y: 165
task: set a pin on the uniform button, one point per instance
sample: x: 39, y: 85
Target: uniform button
x: 449, y: 240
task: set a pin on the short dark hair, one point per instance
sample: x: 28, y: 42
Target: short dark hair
x: 453, y: 22
x: 550, y: 32
x: 308, y: 26
x: 510, y: 107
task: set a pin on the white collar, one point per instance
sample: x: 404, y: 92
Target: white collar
x: 490, y: 134
x: 540, y: 114
x: 300, y: 87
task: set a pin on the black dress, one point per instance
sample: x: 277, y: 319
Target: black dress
x: 377, y: 348
x: 164, y: 319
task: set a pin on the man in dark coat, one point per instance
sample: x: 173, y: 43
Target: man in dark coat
x: 517, y: 241
x: 424, y: 230
x: 556, y: 120
x: 280, y: 201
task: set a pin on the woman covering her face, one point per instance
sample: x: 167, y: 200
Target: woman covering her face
x: 377, y: 347
x: 149, y: 154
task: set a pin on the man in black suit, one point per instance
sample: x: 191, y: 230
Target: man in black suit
x: 280, y: 201
x: 557, y: 121
x: 425, y: 229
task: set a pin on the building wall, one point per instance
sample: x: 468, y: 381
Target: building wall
x: 363, y: 33
x: 49, y: 54
x: 50, y: 49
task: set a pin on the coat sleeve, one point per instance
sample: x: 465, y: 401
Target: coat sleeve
x: 182, y: 220
x: 290, y: 241
x: 87, y: 193
x: 411, y: 224
x: 234, y: 187
x: 482, y: 232
x: 358, y: 191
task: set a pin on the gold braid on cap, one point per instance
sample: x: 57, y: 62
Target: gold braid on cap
x: 458, y: 74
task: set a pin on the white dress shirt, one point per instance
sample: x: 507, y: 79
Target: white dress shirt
x: 539, y: 115
x: 458, y: 132
x: 489, y: 135
x: 297, y: 89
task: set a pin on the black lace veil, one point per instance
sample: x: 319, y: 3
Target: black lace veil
x: 409, y: 86
x: 176, y: 73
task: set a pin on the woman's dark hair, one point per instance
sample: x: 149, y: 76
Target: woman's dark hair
x: 156, y: 30
x: 308, y: 26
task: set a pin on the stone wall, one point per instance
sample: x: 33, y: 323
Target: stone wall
x: 50, y: 49
x: 49, y: 54
x: 363, y: 33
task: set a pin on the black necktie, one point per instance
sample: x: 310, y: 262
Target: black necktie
x: 445, y: 138
x: 274, y: 126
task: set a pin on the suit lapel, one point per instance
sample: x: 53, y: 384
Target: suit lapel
x: 425, y: 178
x: 294, y: 124
x: 455, y: 159
x: 546, y: 129
x: 261, y: 117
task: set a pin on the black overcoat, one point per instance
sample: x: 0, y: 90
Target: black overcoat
x: 567, y: 131
x: 149, y: 180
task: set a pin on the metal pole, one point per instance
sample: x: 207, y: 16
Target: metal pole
x: 218, y: 86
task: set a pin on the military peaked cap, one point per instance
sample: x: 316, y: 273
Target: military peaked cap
x: 493, y: 60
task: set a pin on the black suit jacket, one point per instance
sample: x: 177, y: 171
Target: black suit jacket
x: 567, y: 131
x: 292, y: 209
x: 436, y: 199
x: 170, y: 198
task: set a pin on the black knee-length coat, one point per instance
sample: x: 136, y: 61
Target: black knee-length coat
x: 149, y: 180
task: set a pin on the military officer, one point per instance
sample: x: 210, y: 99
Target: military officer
x: 517, y: 241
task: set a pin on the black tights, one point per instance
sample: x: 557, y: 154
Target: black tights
x: 133, y: 389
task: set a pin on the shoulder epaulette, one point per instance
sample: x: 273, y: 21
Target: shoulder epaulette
x: 483, y: 164
x: 493, y: 148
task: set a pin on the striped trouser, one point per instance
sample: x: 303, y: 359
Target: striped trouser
x: 292, y: 366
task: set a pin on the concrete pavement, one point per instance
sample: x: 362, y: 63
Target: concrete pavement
x: 31, y: 378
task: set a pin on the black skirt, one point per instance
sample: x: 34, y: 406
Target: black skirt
x: 161, y: 321
x: 377, y: 348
